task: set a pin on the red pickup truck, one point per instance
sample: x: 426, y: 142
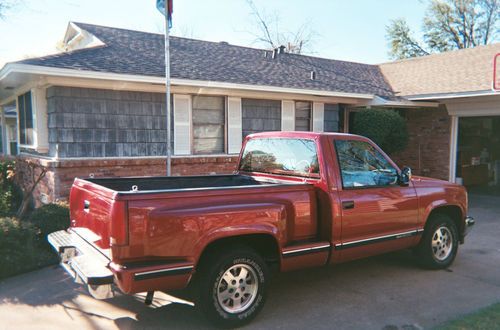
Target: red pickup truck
x: 298, y: 199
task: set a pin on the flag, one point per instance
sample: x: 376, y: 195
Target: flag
x: 160, y: 5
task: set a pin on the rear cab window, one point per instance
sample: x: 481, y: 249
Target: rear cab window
x: 282, y: 156
x: 362, y: 165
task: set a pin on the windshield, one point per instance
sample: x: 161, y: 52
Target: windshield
x: 284, y: 156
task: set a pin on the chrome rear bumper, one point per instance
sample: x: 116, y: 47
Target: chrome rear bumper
x: 83, y: 262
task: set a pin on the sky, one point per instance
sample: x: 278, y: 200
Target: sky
x: 351, y: 30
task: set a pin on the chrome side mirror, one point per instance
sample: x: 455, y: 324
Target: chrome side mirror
x: 405, y: 176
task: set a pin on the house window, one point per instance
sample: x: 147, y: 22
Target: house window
x: 260, y: 116
x: 25, y: 112
x: 331, y: 117
x: 208, y: 124
x: 12, y: 139
x: 303, y: 111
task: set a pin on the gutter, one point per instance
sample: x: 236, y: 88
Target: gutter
x: 444, y: 96
x: 381, y: 102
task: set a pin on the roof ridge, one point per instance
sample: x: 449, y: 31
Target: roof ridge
x: 113, y: 27
x: 227, y: 44
x: 55, y: 55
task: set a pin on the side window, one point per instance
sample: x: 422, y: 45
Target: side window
x: 362, y: 165
x: 25, y: 120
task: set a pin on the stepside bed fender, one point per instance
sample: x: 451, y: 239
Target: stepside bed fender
x: 241, y: 223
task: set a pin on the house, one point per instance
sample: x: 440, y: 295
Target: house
x: 467, y: 121
x: 99, y: 107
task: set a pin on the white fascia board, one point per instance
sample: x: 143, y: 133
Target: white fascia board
x: 61, y: 72
x: 381, y: 102
x: 444, y: 96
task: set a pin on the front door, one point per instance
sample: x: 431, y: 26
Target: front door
x: 378, y: 214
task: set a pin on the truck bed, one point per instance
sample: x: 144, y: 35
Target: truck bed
x: 156, y: 184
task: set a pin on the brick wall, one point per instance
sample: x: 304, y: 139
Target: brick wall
x: 61, y: 173
x: 428, y: 151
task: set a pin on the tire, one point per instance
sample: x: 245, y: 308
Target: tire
x: 224, y: 295
x: 439, y: 245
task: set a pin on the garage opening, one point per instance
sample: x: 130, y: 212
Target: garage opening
x: 478, y: 154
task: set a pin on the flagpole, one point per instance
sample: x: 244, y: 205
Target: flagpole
x: 167, y: 93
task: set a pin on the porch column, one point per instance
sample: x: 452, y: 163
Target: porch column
x: 453, y: 149
x: 4, y: 131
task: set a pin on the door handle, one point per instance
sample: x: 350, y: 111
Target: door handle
x: 346, y: 205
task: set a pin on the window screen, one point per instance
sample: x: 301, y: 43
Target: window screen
x: 303, y: 111
x: 208, y: 124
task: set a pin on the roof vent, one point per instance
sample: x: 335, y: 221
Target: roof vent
x: 282, y: 49
x: 313, y: 75
x: 225, y: 43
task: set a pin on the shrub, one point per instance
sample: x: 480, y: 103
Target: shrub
x: 50, y: 218
x: 19, y: 249
x: 385, y: 127
x: 10, y: 194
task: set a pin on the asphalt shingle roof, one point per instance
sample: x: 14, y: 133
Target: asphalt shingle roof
x: 465, y: 70
x: 141, y: 53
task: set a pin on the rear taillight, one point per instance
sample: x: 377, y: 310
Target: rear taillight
x: 119, y: 224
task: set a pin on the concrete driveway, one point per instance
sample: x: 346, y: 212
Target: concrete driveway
x: 386, y: 292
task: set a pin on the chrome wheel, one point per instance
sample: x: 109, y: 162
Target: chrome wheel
x: 237, y: 288
x: 442, y: 243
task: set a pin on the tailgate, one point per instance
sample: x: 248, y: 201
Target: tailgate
x: 93, y: 207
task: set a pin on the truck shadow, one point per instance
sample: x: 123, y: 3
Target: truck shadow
x: 38, y: 292
x: 302, y: 290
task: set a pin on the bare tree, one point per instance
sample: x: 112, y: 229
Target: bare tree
x: 4, y: 6
x: 8, y: 6
x: 32, y: 175
x: 447, y: 25
x: 269, y: 33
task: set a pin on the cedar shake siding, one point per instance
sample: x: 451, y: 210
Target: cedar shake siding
x: 104, y: 123
x: 260, y: 116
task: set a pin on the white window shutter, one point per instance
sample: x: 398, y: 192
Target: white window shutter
x: 318, y: 117
x: 287, y: 115
x: 234, y: 130
x: 182, y: 124
x: 41, y: 132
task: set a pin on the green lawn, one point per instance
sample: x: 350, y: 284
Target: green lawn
x: 487, y: 319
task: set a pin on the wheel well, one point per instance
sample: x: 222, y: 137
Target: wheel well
x: 454, y: 212
x: 265, y: 245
